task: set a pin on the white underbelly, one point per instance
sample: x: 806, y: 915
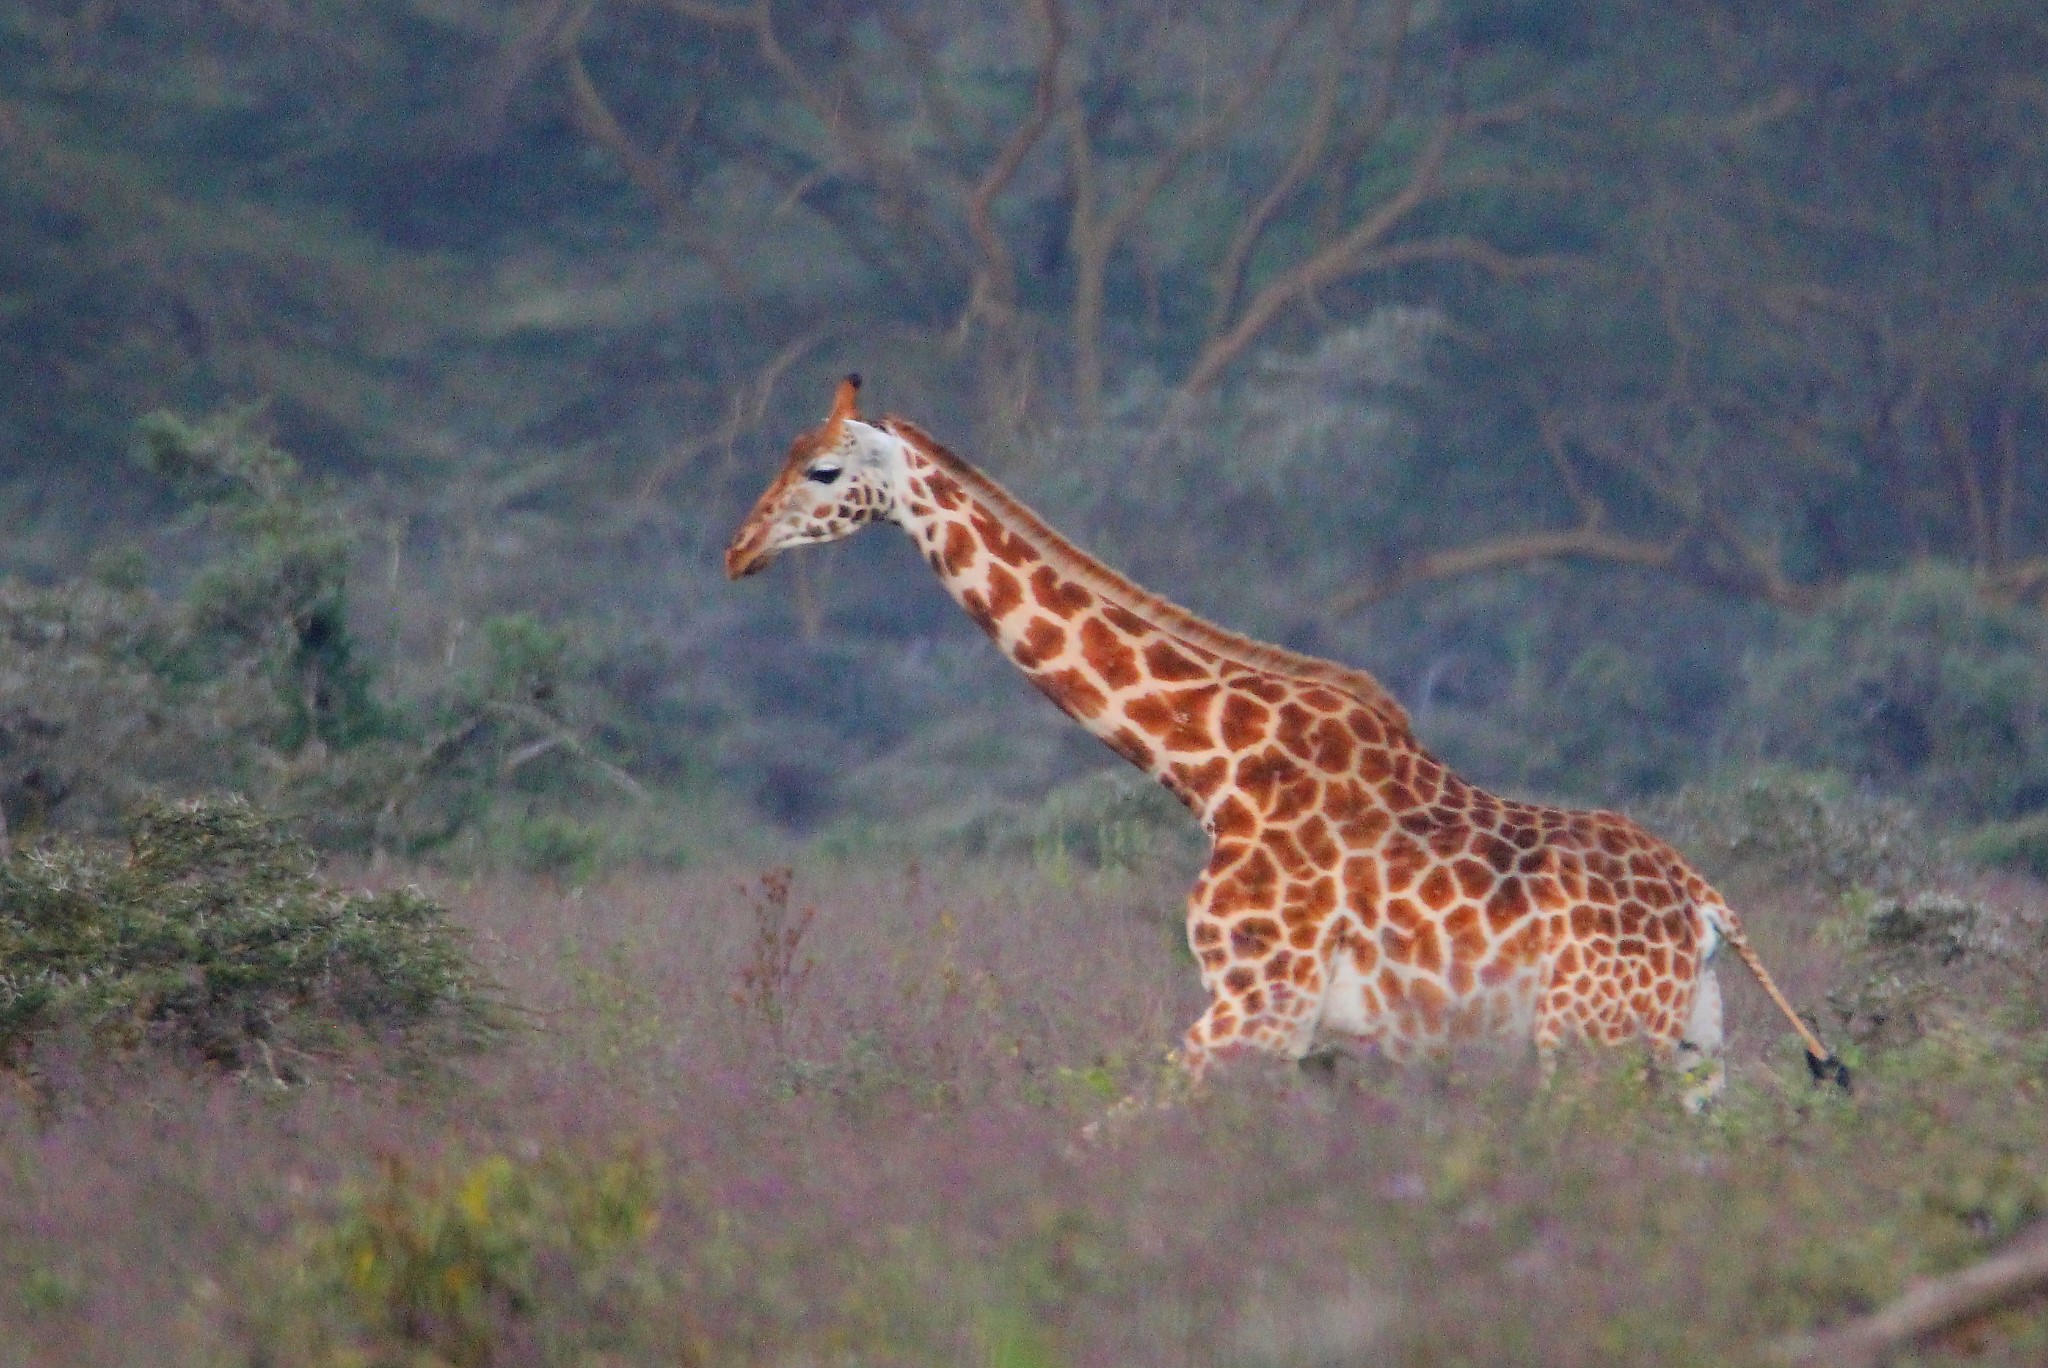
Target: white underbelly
x: 1344, y: 1004
x: 1357, y: 1008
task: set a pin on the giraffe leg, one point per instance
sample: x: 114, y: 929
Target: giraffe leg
x: 1549, y: 1028
x: 1276, y: 1019
x: 1697, y: 1056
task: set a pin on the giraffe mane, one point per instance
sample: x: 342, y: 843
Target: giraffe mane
x: 1168, y: 616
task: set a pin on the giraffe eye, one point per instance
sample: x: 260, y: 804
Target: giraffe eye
x: 822, y: 474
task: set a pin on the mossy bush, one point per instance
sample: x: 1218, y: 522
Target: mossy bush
x: 212, y: 934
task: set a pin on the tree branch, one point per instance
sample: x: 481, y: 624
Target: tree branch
x: 1094, y: 237
x: 995, y: 283
x: 649, y: 174
x: 2021, y: 582
x: 2021, y: 1267
x: 1308, y: 154
x: 896, y: 178
x: 1333, y: 262
x: 1588, y: 541
x: 748, y: 406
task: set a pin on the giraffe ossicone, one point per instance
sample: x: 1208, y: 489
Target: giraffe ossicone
x: 1357, y: 892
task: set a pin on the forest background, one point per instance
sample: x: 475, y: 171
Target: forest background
x: 1653, y: 396
x: 1643, y: 392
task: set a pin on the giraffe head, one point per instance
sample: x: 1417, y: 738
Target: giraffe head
x: 837, y: 480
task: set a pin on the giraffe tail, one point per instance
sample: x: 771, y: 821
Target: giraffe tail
x: 1820, y: 1060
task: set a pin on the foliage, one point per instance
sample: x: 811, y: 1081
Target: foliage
x: 1722, y: 308
x: 468, y: 1262
x: 642, y: 1182
x: 87, y: 718
x: 212, y: 935
x: 1914, y: 682
x: 251, y: 676
x: 1777, y: 829
x: 273, y: 600
x: 1932, y: 960
x: 2020, y: 844
x: 1111, y: 821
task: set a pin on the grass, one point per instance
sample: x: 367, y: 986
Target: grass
x: 886, y: 1166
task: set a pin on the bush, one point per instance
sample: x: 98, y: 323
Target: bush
x: 1111, y: 820
x: 1916, y: 682
x: 469, y: 1264
x: 1784, y: 829
x: 250, y: 677
x: 2019, y: 844
x: 214, y: 936
x: 1933, y: 959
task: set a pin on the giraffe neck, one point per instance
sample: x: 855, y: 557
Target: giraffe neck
x: 1161, y: 686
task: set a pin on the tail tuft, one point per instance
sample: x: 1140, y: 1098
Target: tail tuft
x: 1828, y: 1070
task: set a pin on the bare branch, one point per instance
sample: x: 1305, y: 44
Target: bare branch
x: 2020, y: 1268
x: 1762, y: 569
x: 2006, y: 448
x: 1350, y: 154
x: 557, y: 737
x: 898, y: 179
x: 1308, y: 154
x: 891, y: 174
x: 721, y: 16
x: 947, y: 120
x: 1333, y: 262
x: 1755, y: 571
x: 2021, y: 582
x: 1958, y: 454
x: 749, y: 405
x: 1591, y: 510
x: 1094, y: 237
x: 649, y: 174
x: 995, y: 286
x: 1586, y: 542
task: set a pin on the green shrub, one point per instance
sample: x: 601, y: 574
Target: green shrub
x: 1913, y: 680
x: 2018, y: 844
x: 1111, y: 820
x: 250, y: 677
x: 1784, y: 829
x: 215, y: 936
x: 1910, y: 959
x: 457, y: 1264
x: 274, y: 599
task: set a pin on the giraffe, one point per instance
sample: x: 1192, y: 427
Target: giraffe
x: 1357, y: 892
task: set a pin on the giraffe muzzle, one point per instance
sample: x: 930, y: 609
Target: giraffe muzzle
x: 747, y: 557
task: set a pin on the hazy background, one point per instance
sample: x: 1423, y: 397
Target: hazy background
x: 1643, y: 392
x: 1653, y: 395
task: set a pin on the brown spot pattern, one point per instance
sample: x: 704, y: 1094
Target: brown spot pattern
x: 1112, y: 659
x: 959, y: 549
x: 1042, y: 640
x: 1337, y: 838
x: 1061, y: 598
x: 1004, y: 593
x: 1169, y: 664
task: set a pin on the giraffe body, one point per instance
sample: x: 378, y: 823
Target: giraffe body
x: 1357, y: 891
